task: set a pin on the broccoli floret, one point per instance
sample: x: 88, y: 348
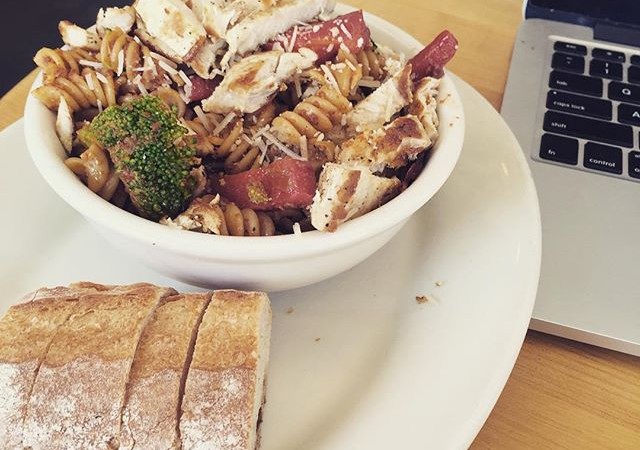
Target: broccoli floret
x: 144, y: 139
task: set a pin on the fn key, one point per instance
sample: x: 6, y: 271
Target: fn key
x: 559, y: 149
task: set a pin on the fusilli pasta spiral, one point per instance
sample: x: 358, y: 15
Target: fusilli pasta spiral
x: 94, y: 168
x: 60, y: 63
x: 317, y: 114
x: 81, y: 91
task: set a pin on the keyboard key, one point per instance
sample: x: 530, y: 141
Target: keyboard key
x: 629, y: 114
x: 634, y: 164
x: 624, y: 92
x: 559, y: 149
x: 568, y: 63
x: 577, y: 104
x: 635, y: 60
x: 605, y: 69
x: 603, y: 158
x: 634, y: 74
x: 608, y: 55
x: 595, y: 130
x: 567, y: 47
x: 575, y: 83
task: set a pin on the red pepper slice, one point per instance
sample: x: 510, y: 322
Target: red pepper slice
x: 324, y: 38
x: 430, y: 61
x: 286, y: 183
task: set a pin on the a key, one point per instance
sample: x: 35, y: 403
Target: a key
x: 567, y: 47
x: 634, y: 164
x: 605, y: 69
x: 629, y: 114
x: 608, y: 55
x: 624, y: 92
x: 595, y: 130
x: 578, y: 104
x: 603, y: 158
x: 575, y: 83
x: 634, y: 74
x: 568, y: 63
x: 559, y: 149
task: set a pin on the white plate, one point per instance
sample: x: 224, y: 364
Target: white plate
x: 356, y: 361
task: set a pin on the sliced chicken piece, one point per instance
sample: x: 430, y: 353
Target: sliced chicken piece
x: 346, y: 192
x: 64, y: 125
x: 203, y: 215
x: 173, y: 27
x: 265, y: 23
x: 252, y: 82
x: 425, y: 105
x: 392, y: 146
x: 78, y: 37
x: 218, y: 15
x: 204, y: 61
x: 112, y: 18
x: 378, y: 108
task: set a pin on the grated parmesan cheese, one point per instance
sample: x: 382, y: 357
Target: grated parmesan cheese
x: 304, y: 148
x: 294, y: 36
x: 350, y: 65
x: 297, y: 85
x: 226, y: 121
x: 345, y: 31
x: 94, y: 64
x: 283, y: 148
x: 102, y: 78
x: 120, y: 62
x: 185, y: 78
x: 296, y: 229
x: 203, y: 118
x: 329, y: 77
x: 159, y: 57
x: 263, y: 149
x: 369, y: 83
x: 167, y: 68
x: 89, y: 79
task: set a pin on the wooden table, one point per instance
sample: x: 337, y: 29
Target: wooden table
x: 561, y: 394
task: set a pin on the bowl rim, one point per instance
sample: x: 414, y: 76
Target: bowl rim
x: 238, y: 249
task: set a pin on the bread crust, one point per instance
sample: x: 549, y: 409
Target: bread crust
x: 223, y: 391
x: 26, y: 331
x: 78, y: 394
x: 156, y: 381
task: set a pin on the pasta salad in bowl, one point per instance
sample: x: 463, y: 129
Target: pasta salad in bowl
x: 232, y: 141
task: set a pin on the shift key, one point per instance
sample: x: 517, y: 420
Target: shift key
x: 595, y: 130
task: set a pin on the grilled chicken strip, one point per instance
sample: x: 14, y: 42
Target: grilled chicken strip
x: 392, y: 146
x: 252, y: 82
x: 112, y: 18
x: 265, y: 23
x: 378, y: 108
x: 171, y: 27
x: 346, y: 192
x: 425, y: 105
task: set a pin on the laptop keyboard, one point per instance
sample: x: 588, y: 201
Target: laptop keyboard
x: 592, y: 116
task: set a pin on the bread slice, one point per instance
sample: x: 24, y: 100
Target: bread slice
x: 156, y: 381
x: 78, y: 395
x: 224, y: 388
x: 26, y: 331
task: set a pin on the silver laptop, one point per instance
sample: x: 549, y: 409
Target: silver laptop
x: 573, y: 101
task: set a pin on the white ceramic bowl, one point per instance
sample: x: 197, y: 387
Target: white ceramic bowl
x: 265, y: 263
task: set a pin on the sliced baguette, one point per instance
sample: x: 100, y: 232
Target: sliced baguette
x: 78, y: 395
x: 224, y: 388
x: 150, y: 415
x: 26, y: 331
